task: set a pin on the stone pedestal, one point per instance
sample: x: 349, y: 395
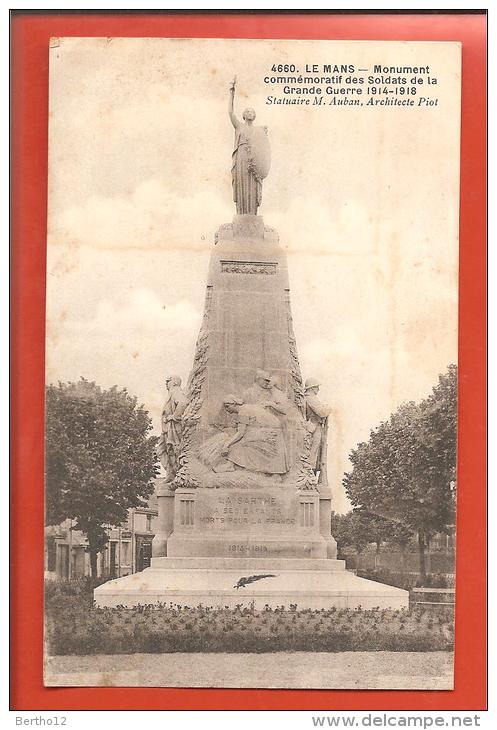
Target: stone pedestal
x: 325, y: 499
x: 255, y: 523
x: 165, y: 521
x: 258, y: 514
x: 308, y: 583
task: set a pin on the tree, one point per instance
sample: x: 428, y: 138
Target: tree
x: 100, y: 458
x: 359, y: 528
x: 400, y: 536
x: 348, y: 531
x: 406, y: 471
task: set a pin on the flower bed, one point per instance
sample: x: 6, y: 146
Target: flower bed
x: 75, y: 626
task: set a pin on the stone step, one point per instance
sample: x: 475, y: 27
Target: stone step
x: 251, y: 564
x: 230, y: 587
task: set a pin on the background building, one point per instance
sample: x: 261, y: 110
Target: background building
x: 129, y: 548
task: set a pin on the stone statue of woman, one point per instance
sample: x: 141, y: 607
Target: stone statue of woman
x: 250, y: 161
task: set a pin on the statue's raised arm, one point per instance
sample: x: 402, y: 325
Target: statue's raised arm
x: 231, y: 105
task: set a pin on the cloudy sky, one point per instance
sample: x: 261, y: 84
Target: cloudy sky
x: 365, y: 201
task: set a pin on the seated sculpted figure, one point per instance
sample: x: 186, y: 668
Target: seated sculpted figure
x: 257, y: 444
x: 263, y: 390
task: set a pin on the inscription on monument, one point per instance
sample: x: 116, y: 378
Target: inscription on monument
x: 249, y: 267
x: 233, y: 510
x: 261, y: 550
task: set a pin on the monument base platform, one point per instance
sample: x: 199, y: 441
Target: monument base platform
x: 218, y: 582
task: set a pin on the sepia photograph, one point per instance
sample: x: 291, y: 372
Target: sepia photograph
x: 251, y: 363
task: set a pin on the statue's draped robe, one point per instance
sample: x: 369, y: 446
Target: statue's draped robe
x: 170, y: 438
x: 247, y: 185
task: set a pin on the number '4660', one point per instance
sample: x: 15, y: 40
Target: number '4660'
x: 283, y: 67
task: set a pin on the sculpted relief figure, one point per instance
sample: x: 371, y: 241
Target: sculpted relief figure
x: 254, y: 439
x: 171, y: 425
x: 317, y: 414
x: 293, y: 425
x: 250, y: 161
x: 264, y: 391
x: 258, y: 443
x: 260, y: 433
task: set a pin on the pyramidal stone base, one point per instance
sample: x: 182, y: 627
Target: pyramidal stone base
x: 229, y: 582
x: 255, y: 529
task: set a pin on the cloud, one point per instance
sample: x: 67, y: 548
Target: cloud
x: 317, y: 227
x: 131, y: 343
x: 144, y: 310
x: 150, y: 217
x: 125, y: 323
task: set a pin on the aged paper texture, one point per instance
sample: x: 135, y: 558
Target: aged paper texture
x: 338, y: 189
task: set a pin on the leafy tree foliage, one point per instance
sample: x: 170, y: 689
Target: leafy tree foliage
x: 406, y: 471
x: 346, y: 529
x: 399, y: 536
x: 359, y: 528
x: 100, y: 458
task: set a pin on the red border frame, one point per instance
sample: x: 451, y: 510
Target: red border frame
x: 30, y: 37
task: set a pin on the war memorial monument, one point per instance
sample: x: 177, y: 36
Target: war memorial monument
x: 244, y: 501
